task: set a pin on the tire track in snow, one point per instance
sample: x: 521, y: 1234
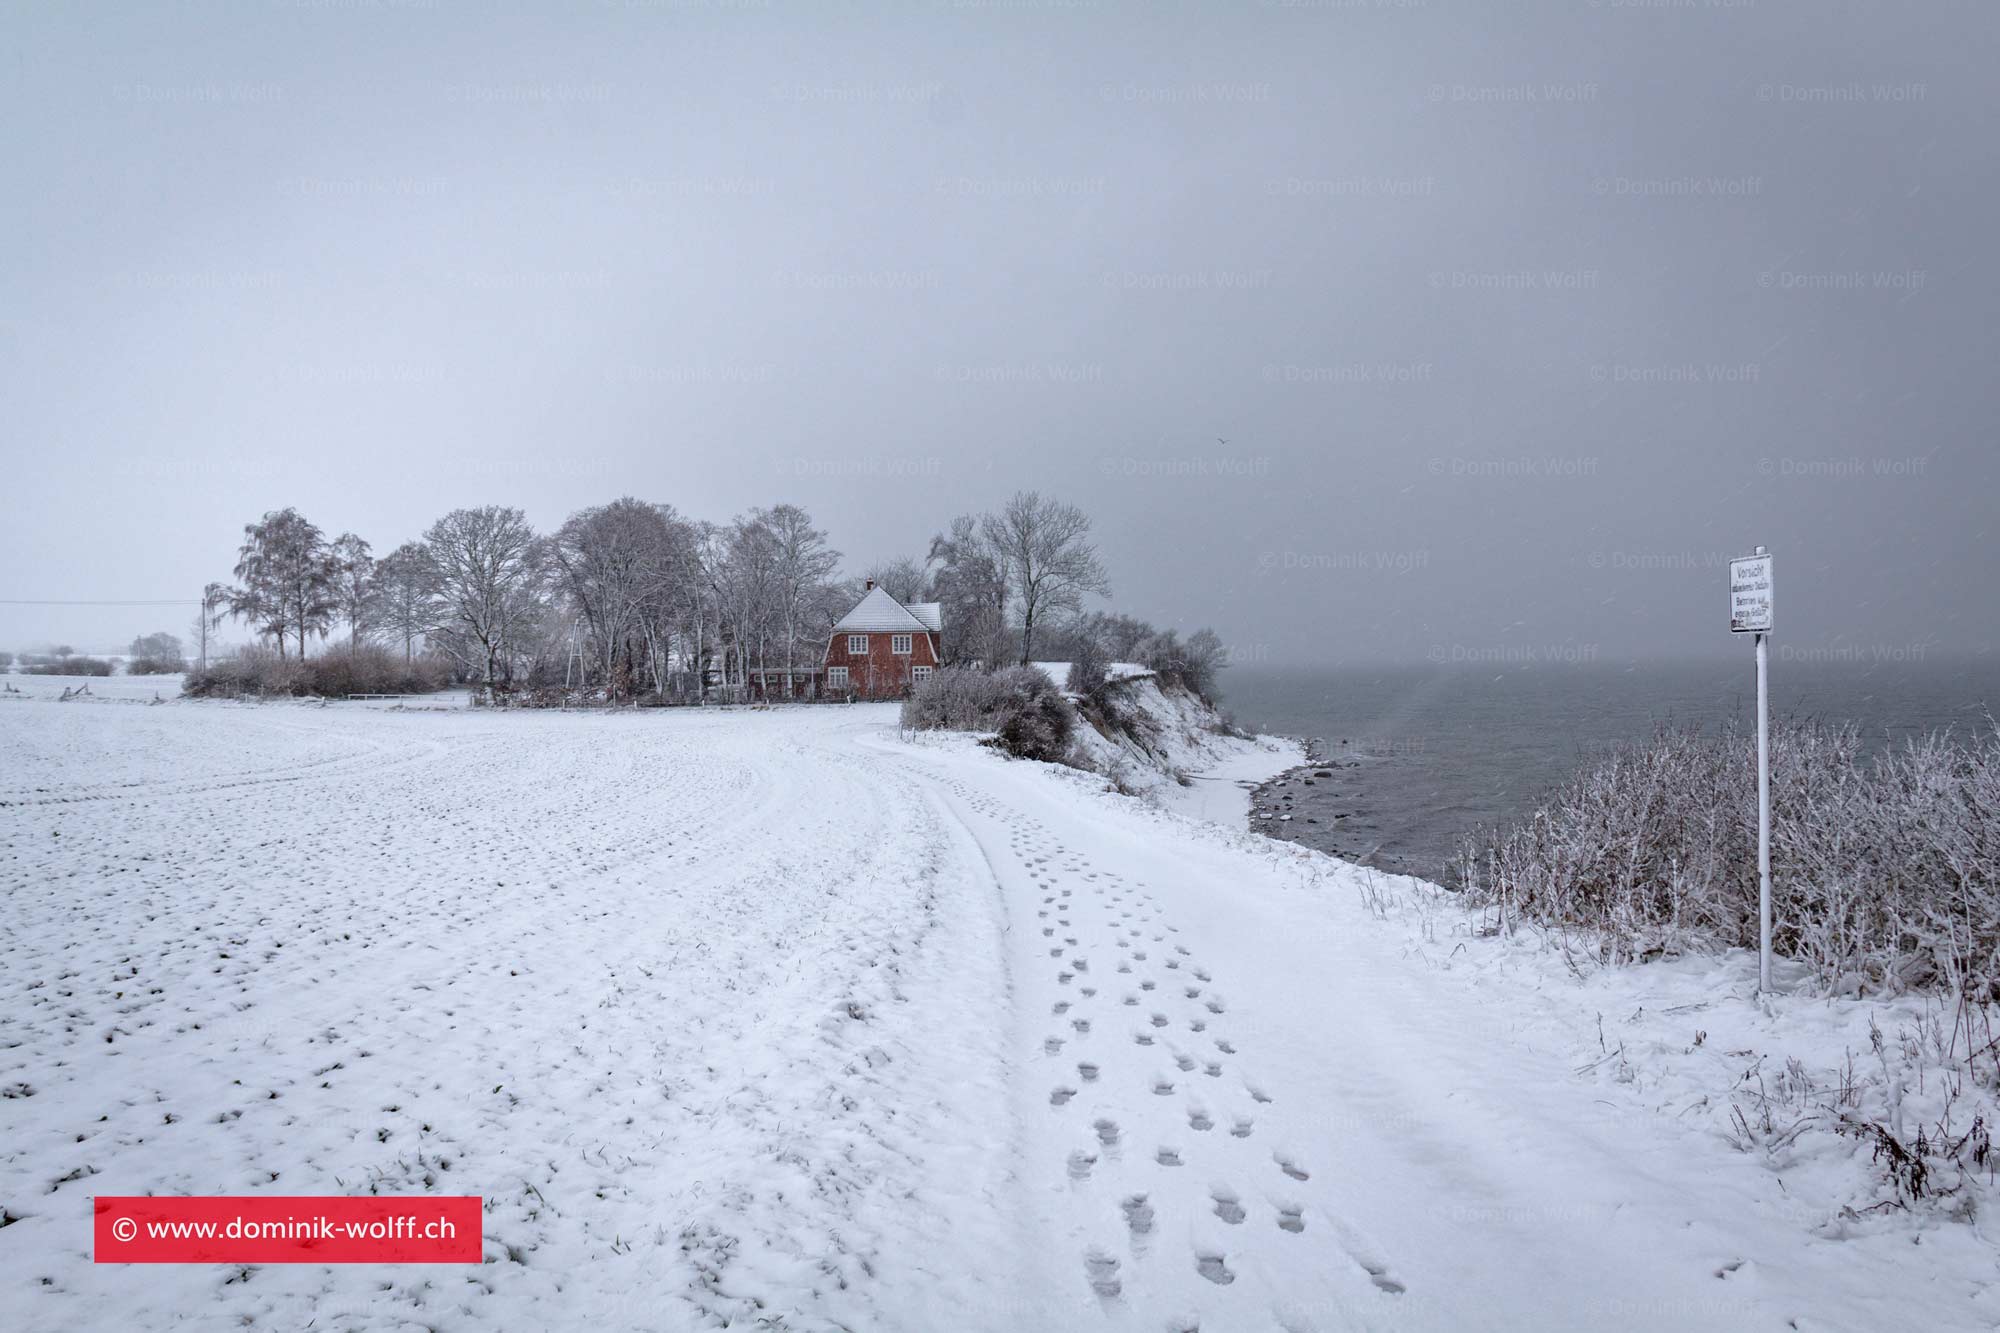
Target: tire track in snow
x: 1137, y: 1051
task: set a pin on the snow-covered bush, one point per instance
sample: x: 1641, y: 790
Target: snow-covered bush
x: 1020, y: 705
x: 155, y: 655
x: 368, y: 669
x: 1086, y: 668
x: 68, y: 666
x: 955, y: 698
x: 1885, y: 872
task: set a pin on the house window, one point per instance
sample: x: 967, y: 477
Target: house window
x: 836, y: 678
x: 899, y: 643
x: 920, y: 674
x: 857, y: 645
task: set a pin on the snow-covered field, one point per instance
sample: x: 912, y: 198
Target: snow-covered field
x: 770, y: 1019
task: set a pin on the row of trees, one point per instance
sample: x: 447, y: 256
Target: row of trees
x: 635, y: 598
x: 629, y: 595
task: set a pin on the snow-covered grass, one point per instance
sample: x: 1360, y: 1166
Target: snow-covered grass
x: 780, y: 1020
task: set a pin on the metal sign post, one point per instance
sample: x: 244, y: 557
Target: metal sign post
x: 1750, y: 613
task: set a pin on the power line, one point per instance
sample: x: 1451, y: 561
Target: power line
x: 28, y: 601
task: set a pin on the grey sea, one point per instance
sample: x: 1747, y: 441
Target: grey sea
x: 1423, y: 755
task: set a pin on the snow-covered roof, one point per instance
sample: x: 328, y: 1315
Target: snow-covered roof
x: 878, y: 611
x: 931, y: 613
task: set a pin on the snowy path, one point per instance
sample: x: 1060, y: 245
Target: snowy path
x: 772, y: 1019
x: 1247, y: 1108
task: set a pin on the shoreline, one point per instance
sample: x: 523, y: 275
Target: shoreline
x: 1312, y: 804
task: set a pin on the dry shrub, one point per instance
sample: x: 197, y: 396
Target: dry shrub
x: 369, y: 669
x: 67, y: 666
x: 1885, y: 871
x: 1020, y: 705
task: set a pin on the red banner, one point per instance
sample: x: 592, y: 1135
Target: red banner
x: 288, y: 1229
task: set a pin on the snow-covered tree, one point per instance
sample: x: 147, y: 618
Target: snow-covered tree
x: 1044, y: 546
x: 406, y: 587
x: 489, y: 569
x: 970, y: 583
x: 802, y: 565
x: 905, y: 578
x: 285, y: 576
x: 610, y: 560
x: 354, y: 586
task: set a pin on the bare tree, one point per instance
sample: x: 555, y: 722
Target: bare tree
x: 748, y: 587
x: 971, y: 584
x: 153, y: 654
x: 802, y: 562
x: 286, y: 576
x: 214, y: 607
x: 406, y: 594
x: 1050, y: 562
x: 610, y: 559
x: 906, y: 579
x: 489, y: 566
x: 354, y: 586
x: 1204, y: 658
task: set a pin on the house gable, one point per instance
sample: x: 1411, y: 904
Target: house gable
x: 881, y: 648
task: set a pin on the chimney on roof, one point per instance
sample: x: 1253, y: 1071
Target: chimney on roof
x: 870, y: 587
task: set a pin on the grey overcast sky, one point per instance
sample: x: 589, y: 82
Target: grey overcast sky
x: 1364, y: 330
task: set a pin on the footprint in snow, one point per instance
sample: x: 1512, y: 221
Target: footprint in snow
x: 1168, y: 1157
x: 1228, y: 1207
x: 1102, y: 1270
x: 1241, y: 1129
x: 1291, y: 1168
x: 1087, y: 1072
x: 1061, y: 1096
x: 1292, y: 1218
x: 1198, y: 1120
x: 1211, y: 1267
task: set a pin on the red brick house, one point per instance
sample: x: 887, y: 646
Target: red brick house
x: 881, y: 649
